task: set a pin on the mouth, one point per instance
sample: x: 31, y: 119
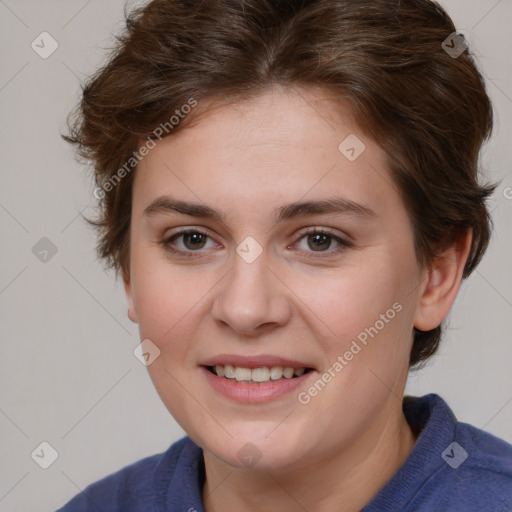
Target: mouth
x: 256, y: 379
x: 258, y: 375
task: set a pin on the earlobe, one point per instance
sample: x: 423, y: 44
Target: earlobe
x: 132, y: 315
x: 442, y: 284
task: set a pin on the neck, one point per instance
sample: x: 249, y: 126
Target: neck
x: 345, y: 480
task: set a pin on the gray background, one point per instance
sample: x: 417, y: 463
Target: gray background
x: 67, y: 372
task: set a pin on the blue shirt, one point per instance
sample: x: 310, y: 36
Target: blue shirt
x: 452, y: 467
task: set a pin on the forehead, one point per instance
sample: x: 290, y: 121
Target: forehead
x: 277, y: 147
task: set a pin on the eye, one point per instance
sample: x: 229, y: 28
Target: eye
x: 188, y: 241
x: 319, y: 241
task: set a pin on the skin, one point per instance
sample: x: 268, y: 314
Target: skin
x: 245, y: 159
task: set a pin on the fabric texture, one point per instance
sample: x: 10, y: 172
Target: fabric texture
x: 452, y: 467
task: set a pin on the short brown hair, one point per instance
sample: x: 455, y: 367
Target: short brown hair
x: 427, y: 109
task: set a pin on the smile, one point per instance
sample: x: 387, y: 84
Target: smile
x: 256, y: 375
x: 256, y: 385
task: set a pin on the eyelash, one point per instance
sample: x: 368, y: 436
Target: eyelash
x: 343, y: 244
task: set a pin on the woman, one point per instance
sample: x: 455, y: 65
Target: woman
x: 290, y: 193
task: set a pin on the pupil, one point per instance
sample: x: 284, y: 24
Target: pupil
x: 193, y: 240
x: 320, y: 241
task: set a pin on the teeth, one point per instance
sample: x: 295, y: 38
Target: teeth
x: 276, y: 372
x: 242, y: 374
x: 262, y: 374
x: 288, y: 372
x: 229, y: 371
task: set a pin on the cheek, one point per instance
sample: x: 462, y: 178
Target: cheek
x: 161, y: 297
x: 365, y: 312
x: 169, y: 306
x: 349, y: 300
x: 171, y: 302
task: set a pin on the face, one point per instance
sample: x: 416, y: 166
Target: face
x: 297, y: 258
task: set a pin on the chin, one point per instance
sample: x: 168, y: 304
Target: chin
x: 260, y: 452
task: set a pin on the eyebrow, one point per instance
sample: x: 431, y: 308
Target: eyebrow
x: 335, y: 205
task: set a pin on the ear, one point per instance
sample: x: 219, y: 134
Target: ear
x: 442, y: 284
x: 128, y: 288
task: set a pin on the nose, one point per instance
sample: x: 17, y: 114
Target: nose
x: 251, y: 300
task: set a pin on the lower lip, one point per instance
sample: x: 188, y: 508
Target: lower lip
x: 254, y: 393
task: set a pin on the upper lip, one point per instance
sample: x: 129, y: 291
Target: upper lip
x: 255, y: 361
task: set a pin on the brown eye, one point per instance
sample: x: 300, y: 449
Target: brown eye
x: 319, y: 241
x: 188, y: 242
x: 194, y: 240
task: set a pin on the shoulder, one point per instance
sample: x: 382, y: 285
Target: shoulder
x: 479, y: 466
x: 453, y: 465
x: 474, y: 468
x: 136, y: 485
